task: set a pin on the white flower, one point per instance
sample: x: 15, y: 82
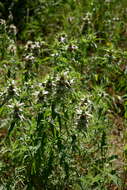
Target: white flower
x: 32, y: 45
x: 29, y: 58
x: 12, y: 48
x: 2, y: 22
x: 12, y: 29
x: 72, y: 47
x: 28, y: 45
x: 37, y: 45
x: 62, y: 39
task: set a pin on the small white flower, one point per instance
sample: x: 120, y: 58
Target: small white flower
x: 29, y: 58
x: 37, y: 45
x: 32, y: 45
x: 55, y: 54
x: 2, y: 22
x: 28, y: 45
x: 12, y: 48
x: 62, y: 39
x: 10, y: 17
x: 12, y: 29
x: 72, y: 47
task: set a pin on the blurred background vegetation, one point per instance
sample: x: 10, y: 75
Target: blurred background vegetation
x: 41, y: 18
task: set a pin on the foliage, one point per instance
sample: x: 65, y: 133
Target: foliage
x: 63, y: 86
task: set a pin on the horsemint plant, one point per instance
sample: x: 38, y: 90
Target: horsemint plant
x: 58, y: 126
x: 58, y: 136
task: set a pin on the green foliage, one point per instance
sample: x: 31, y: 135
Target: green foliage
x: 63, y: 86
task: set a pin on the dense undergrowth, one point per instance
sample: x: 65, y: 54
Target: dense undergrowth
x: 63, y: 101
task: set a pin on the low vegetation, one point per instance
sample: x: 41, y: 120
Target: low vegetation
x: 63, y: 101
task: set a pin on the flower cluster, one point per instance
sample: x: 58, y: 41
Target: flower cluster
x: 32, y: 46
x: 12, y: 48
x: 12, y: 30
x: 2, y: 26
